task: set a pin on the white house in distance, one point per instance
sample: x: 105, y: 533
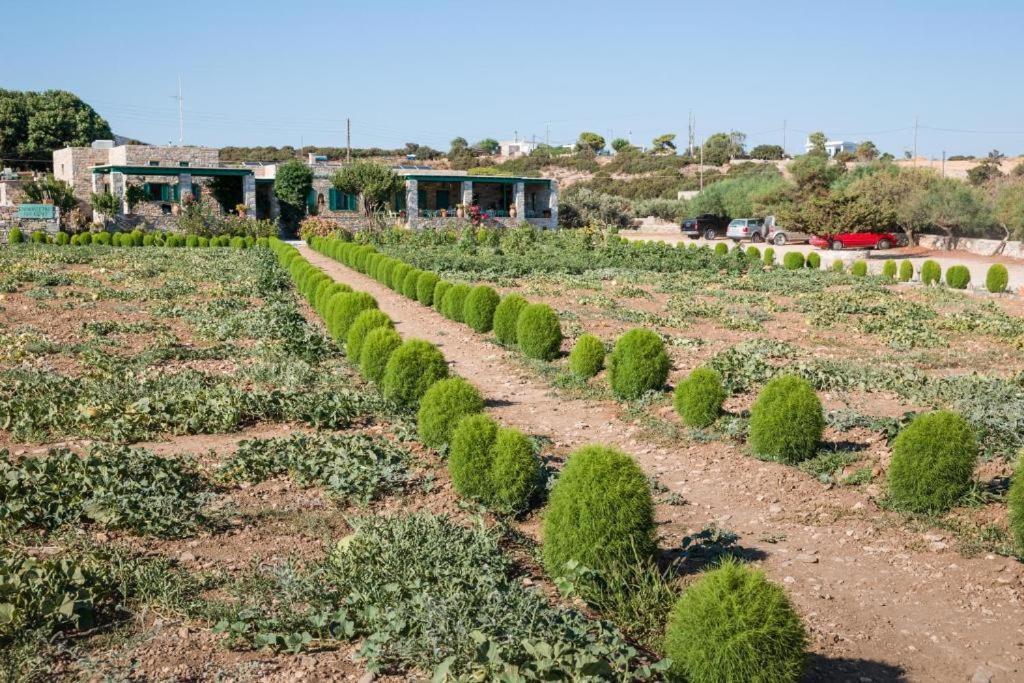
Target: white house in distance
x: 511, y: 149
x: 834, y: 147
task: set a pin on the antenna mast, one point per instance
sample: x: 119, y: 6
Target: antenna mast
x: 181, y: 115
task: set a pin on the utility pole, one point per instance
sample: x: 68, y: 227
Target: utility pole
x: 702, y: 164
x: 915, y: 141
x: 689, y: 136
x: 181, y: 114
x: 348, y: 140
x: 783, y: 138
x: 547, y: 134
x: 943, y: 163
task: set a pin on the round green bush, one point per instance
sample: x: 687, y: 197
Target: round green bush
x: 238, y: 243
x: 793, y: 260
x: 889, y: 269
x: 398, y: 274
x: 837, y: 266
x: 599, y: 513
x: 997, y: 278
x: 932, y: 462
x: 444, y: 405
x: 637, y: 364
x: 102, y: 238
x: 325, y: 299
x: 440, y: 290
x: 506, y: 315
x: 367, y: 320
x: 204, y: 242
x: 454, y: 305
x: 859, y: 269
x: 698, y: 399
x: 409, y: 283
x: 478, y: 308
x: 538, y: 332
x: 931, y: 272
x: 769, y: 256
x: 62, y: 238
x: 378, y: 346
x: 753, y: 253
x: 425, y: 285
x: 814, y: 260
x: 734, y: 625
x: 1015, y: 501
x: 469, y: 456
x: 15, y: 236
x: 515, y: 472
x: 38, y: 237
x: 722, y: 248
x: 587, y: 356
x: 410, y: 371
x: 786, y: 420
x: 346, y: 307
x: 906, y: 271
x: 958, y: 277
x: 75, y: 240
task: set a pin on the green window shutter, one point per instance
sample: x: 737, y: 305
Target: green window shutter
x: 165, y: 193
x: 311, y: 200
x: 352, y: 202
x: 177, y: 192
x: 332, y: 199
x: 145, y: 188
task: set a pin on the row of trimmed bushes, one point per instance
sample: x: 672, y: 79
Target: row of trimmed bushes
x: 600, y: 511
x: 135, y: 238
x: 533, y: 328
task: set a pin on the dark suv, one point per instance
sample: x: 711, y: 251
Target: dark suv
x: 706, y: 225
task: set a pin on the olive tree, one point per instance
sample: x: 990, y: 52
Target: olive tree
x: 664, y: 144
x: 376, y: 183
x: 591, y: 142
x: 767, y: 152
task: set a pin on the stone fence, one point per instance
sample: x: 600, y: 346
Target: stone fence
x: 971, y: 245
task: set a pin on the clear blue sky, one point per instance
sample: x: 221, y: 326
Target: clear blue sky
x: 265, y: 72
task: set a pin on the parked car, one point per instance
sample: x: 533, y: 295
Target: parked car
x: 707, y: 225
x: 752, y: 229
x: 856, y: 240
x: 780, y: 236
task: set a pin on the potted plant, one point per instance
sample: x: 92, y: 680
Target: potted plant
x: 240, y: 209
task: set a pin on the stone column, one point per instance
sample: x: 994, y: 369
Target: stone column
x: 467, y: 194
x: 97, y: 182
x: 249, y: 194
x: 553, y: 203
x: 184, y: 185
x: 519, y: 198
x: 412, y: 202
x: 117, y: 188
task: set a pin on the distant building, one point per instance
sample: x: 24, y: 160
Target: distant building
x: 516, y: 148
x: 834, y: 147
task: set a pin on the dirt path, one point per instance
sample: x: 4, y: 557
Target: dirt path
x: 881, y: 603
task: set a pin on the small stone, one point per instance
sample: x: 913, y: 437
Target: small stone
x: 806, y: 557
x: 982, y: 674
x: 187, y: 557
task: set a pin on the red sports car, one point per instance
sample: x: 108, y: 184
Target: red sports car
x: 856, y: 240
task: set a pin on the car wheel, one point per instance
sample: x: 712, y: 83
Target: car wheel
x: 883, y: 244
x: 837, y: 245
x: 756, y: 238
x: 780, y: 239
x: 709, y: 234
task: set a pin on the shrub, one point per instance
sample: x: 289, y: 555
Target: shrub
x: 753, y: 253
x: 599, y: 514
x: 793, y: 260
x: 958, y: 277
x: 786, y: 420
x: 997, y: 278
x: 734, y: 625
x: 637, y: 364
x: 1015, y: 501
x: 538, y: 332
x: 932, y: 462
x: 722, y: 248
x: 397, y: 278
x: 859, y: 268
x: 889, y: 269
x: 15, y: 236
x: 38, y: 237
x: 440, y: 290
x: 238, y: 243
x: 378, y: 346
x: 103, y: 238
x: 469, y: 456
x: 769, y: 256
x: 837, y: 266
x: 698, y: 399
x: 814, y: 260
x: 368, y: 319
x: 446, y: 402
x: 409, y: 283
x: 62, y: 238
x: 347, y: 306
x: 587, y: 357
x: 931, y: 272
x: 506, y: 315
x: 425, y: 285
x: 453, y: 306
x: 478, y: 309
x: 906, y: 271
x: 204, y: 241
x: 514, y: 473
x: 410, y: 371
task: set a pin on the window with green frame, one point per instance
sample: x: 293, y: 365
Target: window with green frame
x: 341, y: 201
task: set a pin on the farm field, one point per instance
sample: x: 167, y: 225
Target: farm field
x: 199, y: 483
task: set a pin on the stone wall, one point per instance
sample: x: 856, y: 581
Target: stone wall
x: 971, y: 245
x: 142, y: 155
x: 9, y: 219
x: 11, y: 193
x: 72, y: 165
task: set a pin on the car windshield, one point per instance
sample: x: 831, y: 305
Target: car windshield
x: 737, y: 222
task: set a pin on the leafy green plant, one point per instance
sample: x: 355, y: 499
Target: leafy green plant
x: 958, y: 277
x: 453, y: 304
x: 469, y: 457
x: 599, y: 514
x: 440, y: 290
x: 889, y: 269
x: 931, y: 272
x: 859, y: 268
x: 1015, y: 502
x: 15, y: 236
x: 838, y: 266
x: 367, y: 320
x: 753, y: 253
x: 933, y: 461
x: 345, y: 307
x: 538, y: 332
x: 411, y: 283
x: 733, y: 625
x: 506, y: 315
x: 479, y: 307
x: 769, y: 256
x: 721, y: 249
x: 793, y: 260
x: 698, y: 399
x: 379, y: 345
x: 444, y: 405
x: 514, y: 473
x: 814, y: 260
x: 637, y: 364
x: 906, y: 271
x: 997, y: 278
x: 587, y: 356
x: 786, y: 420
x: 410, y: 371
x: 425, y: 285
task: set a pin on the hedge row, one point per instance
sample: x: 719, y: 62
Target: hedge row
x: 135, y: 238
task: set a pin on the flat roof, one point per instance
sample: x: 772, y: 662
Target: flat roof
x: 504, y: 180
x: 171, y: 170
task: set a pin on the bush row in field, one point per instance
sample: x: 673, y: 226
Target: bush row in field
x: 135, y: 238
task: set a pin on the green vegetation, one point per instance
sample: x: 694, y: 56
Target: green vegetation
x: 377, y: 348
x: 786, y: 420
x: 514, y: 472
x: 859, y: 268
x: 958, y: 277
x: 698, y: 399
x: 444, y: 405
x: 637, y: 364
x: 479, y: 307
x: 453, y: 304
x: 538, y: 332
x: 367, y: 320
x: 1015, y: 501
x: 906, y: 271
x: 410, y: 371
x: 889, y: 269
x: 932, y: 462
x: 997, y: 278
x: 469, y: 456
x: 814, y: 260
x: 931, y: 272
x: 506, y: 316
x: 793, y: 260
x: 425, y: 286
x: 587, y: 356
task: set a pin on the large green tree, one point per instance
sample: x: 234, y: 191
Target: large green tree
x: 591, y: 142
x: 33, y: 124
x: 292, y: 185
x: 720, y: 148
x: 767, y: 152
x: 376, y: 183
x: 664, y: 144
